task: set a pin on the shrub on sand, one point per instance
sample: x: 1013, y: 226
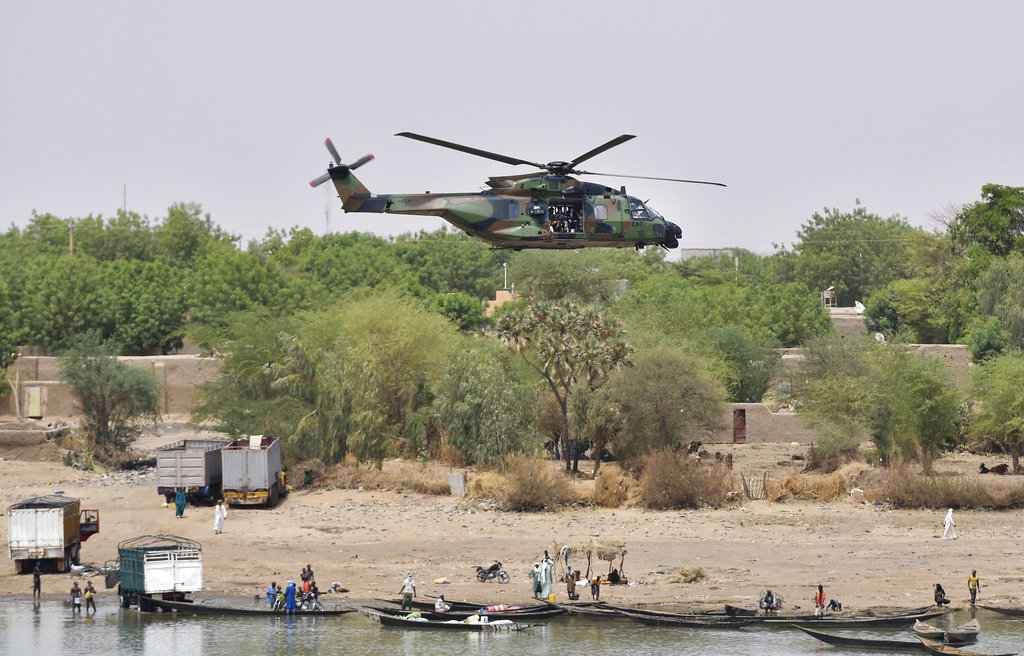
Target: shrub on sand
x: 816, y: 487
x: 612, y: 487
x: 671, y: 480
x: 527, y: 484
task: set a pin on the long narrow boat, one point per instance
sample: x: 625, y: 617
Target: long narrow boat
x: 692, y: 621
x: 1012, y: 611
x: 589, y: 610
x: 850, y: 621
x: 940, y: 649
x: 452, y: 625
x: 867, y: 643
x: 470, y: 606
x: 926, y: 630
x: 966, y: 632
x: 211, y: 609
x: 515, y: 615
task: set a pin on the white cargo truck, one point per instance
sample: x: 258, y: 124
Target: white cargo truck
x: 48, y: 530
x: 192, y: 465
x: 252, y: 471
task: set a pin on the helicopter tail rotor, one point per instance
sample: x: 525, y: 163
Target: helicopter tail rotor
x: 337, y: 162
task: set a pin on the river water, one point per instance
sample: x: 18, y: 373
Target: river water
x: 49, y: 627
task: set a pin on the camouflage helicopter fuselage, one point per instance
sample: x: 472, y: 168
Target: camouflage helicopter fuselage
x: 543, y: 211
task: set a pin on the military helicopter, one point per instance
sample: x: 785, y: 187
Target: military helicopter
x: 542, y: 209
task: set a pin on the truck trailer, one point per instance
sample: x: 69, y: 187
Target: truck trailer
x: 165, y: 565
x: 192, y: 465
x: 49, y: 530
x: 252, y: 471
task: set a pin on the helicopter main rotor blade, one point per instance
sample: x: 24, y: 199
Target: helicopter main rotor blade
x: 467, y: 149
x: 600, y: 149
x: 648, y: 177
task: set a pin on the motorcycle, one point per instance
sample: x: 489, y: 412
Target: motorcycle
x: 493, y: 572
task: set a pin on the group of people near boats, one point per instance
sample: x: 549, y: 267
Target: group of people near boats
x: 772, y: 603
x: 289, y: 595
x: 973, y: 587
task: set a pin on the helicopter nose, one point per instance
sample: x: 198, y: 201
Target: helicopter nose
x: 673, y: 229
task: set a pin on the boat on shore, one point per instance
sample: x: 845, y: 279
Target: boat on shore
x: 496, y: 626
x: 866, y: 643
x: 940, y: 649
x: 1012, y: 611
x: 689, y: 621
x: 452, y: 614
x: 966, y: 632
x: 925, y: 630
x: 214, y: 609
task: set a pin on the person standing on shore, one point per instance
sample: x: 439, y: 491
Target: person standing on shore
x: 819, y: 601
x: 90, y: 597
x: 271, y: 593
x: 220, y: 513
x: 949, y: 530
x: 973, y: 585
x: 179, y: 503
x: 408, y: 592
x: 76, y: 598
x: 37, y: 582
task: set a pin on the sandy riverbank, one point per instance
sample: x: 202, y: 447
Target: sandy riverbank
x: 865, y: 556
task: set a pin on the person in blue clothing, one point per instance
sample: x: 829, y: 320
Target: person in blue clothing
x: 289, y: 598
x: 179, y: 503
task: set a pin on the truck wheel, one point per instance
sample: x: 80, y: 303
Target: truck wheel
x: 272, y: 497
x: 76, y: 554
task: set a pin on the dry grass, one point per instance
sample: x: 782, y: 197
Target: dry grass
x: 527, y: 484
x: 612, y: 487
x: 687, y: 575
x: 672, y: 480
x: 817, y: 487
x: 904, y: 488
x: 396, y: 476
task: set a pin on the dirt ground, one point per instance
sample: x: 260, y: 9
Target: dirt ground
x: 864, y: 555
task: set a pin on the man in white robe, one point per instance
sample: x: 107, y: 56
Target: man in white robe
x: 220, y: 513
x: 950, y: 526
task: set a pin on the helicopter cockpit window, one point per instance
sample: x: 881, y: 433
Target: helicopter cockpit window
x: 637, y: 211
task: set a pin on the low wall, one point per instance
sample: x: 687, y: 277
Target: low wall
x: 763, y: 425
x: 177, y: 375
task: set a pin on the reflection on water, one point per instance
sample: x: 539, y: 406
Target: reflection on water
x: 28, y: 628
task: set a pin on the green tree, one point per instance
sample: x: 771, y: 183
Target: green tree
x: 990, y: 228
x: 856, y: 252
x: 116, y: 400
x: 488, y: 413
x: 751, y: 364
x: 925, y: 407
x: 987, y: 338
x: 664, y: 400
x: 1001, y: 293
x: 567, y: 345
x: 999, y: 404
x: 462, y: 309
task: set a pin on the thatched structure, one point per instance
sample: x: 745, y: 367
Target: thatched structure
x: 608, y: 550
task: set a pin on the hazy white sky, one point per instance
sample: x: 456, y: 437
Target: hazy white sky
x: 907, y: 106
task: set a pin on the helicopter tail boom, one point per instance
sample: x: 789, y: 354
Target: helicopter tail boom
x: 351, y: 191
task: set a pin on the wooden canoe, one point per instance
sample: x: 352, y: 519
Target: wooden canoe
x: 966, y: 632
x: 925, y: 630
x: 451, y: 625
x: 1012, y: 611
x: 211, y: 609
x: 940, y: 649
x: 870, y: 643
x: 690, y: 621
x: 452, y: 614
